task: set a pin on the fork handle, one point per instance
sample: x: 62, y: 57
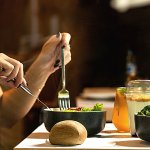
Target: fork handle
x: 63, y: 69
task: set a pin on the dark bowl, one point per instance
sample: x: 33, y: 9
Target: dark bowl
x: 94, y: 121
x: 142, y: 127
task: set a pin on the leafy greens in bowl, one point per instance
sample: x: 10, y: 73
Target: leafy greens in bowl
x: 142, y: 123
x: 145, y: 111
x: 96, y: 107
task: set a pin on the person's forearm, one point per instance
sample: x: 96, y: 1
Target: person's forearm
x: 18, y: 100
x: 37, y: 76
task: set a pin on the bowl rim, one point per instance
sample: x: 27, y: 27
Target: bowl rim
x: 62, y: 111
x: 141, y: 115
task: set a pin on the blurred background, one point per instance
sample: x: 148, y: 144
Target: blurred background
x: 110, y: 45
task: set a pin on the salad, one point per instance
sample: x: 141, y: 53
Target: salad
x: 96, y: 107
x: 145, y: 111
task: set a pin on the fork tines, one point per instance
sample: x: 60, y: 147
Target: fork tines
x: 64, y: 103
x: 63, y: 99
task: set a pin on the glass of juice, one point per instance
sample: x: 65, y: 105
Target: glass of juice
x: 120, y: 111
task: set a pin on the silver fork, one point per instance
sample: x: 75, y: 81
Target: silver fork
x: 63, y: 94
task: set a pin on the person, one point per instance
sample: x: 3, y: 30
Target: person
x: 15, y: 103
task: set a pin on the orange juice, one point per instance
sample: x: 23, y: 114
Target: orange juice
x: 120, y: 111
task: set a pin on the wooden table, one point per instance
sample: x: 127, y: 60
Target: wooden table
x: 106, y: 140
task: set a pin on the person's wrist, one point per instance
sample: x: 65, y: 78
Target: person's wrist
x: 43, y: 65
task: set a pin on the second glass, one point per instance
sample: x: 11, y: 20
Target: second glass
x: 138, y: 96
x: 120, y: 111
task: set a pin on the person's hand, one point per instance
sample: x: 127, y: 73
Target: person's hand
x: 51, y: 51
x: 11, y: 69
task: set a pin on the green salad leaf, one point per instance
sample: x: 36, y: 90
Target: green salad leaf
x: 86, y: 109
x: 145, y: 111
x: 96, y: 107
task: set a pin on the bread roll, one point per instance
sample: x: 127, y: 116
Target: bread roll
x: 68, y: 132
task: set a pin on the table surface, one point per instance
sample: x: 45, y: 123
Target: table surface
x: 108, y: 139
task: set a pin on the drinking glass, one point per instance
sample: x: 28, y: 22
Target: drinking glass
x: 120, y: 111
x: 138, y: 96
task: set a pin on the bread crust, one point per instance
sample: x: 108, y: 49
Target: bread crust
x: 68, y: 132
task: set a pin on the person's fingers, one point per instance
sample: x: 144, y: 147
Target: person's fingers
x: 14, y: 73
x: 54, y: 38
x: 67, y: 58
x: 52, y: 43
x: 67, y: 49
x: 57, y: 62
x: 67, y: 55
x: 19, y: 78
x: 64, y: 42
x: 11, y: 73
x: 13, y: 69
x: 17, y: 72
x: 7, y: 68
x: 3, y: 81
x: 24, y: 82
x: 58, y: 51
x: 65, y: 39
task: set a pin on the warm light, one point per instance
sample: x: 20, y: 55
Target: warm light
x: 124, y: 5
